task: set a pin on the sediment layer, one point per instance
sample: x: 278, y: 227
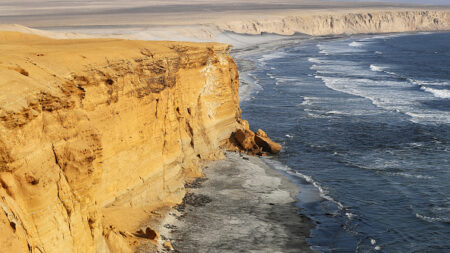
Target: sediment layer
x: 95, y: 134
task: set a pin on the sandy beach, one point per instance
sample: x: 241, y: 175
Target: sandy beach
x: 241, y: 205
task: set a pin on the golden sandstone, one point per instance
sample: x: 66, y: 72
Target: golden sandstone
x: 95, y: 134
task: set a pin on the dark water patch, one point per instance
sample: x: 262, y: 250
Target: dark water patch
x: 369, y: 146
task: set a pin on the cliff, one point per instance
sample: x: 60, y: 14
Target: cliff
x: 95, y: 134
x: 200, y: 26
x: 353, y: 21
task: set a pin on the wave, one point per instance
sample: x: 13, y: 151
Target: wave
x: 338, y: 113
x: 280, y: 80
x: 395, y: 96
x: 316, y: 60
x: 376, y: 68
x: 355, y: 44
x: 249, y: 85
x: 322, y: 192
x: 340, y: 48
x: 429, y: 83
x: 308, y: 100
x: 437, y: 93
x: 350, y: 216
x: 403, y: 174
x: 271, y: 76
x: 271, y: 56
x: 432, y: 219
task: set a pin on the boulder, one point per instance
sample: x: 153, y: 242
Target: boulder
x: 255, y: 144
x: 267, y: 145
x: 246, y: 139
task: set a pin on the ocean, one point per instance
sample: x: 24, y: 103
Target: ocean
x: 365, y: 126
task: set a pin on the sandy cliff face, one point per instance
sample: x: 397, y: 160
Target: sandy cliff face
x: 96, y: 131
x: 312, y: 21
x: 327, y: 22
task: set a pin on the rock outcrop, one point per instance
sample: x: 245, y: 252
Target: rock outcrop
x: 254, y: 143
x: 95, y: 134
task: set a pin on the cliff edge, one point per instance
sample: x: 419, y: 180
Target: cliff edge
x: 341, y: 21
x: 96, y: 134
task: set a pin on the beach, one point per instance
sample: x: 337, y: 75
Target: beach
x: 241, y: 205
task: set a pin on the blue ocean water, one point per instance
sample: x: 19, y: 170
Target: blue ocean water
x: 365, y: 126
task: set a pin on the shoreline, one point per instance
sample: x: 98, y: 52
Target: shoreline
x: 242, y: 204
x: 272, y: 196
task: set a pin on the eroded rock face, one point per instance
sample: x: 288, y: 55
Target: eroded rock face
x: 100, y: 132
x: 351, y: 21
x: 267, y: 145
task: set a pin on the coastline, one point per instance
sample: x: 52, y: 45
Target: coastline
x: 242, y: 204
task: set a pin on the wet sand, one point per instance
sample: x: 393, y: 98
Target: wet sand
x: 242, y: 205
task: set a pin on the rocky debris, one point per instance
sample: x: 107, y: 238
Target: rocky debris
x: 192, y: 199
x: 197, y: 183
x: 170, y: 226
x: 246, y: 139
x: 262, y: 140
x: 254, y: 143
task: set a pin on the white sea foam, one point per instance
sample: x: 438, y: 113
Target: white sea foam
x: 271, y: 76
x: 339, y: 113
x: 340, y: 48
x: 340, y: 67
x: 308, y: 100
x: 249, y: 85
x: 408, y: 175
x: 280, y: 80
x: 271, y: 56
x: 436, y: 92
x: 387, y: 36
x: 350, y: 215
x: 322, y: 192
x: 376, y: 68
x: 432, y: 219
x: 316, y: 60
x: 355, y: 44
x: 429, y: 83
x: 395, y: 96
